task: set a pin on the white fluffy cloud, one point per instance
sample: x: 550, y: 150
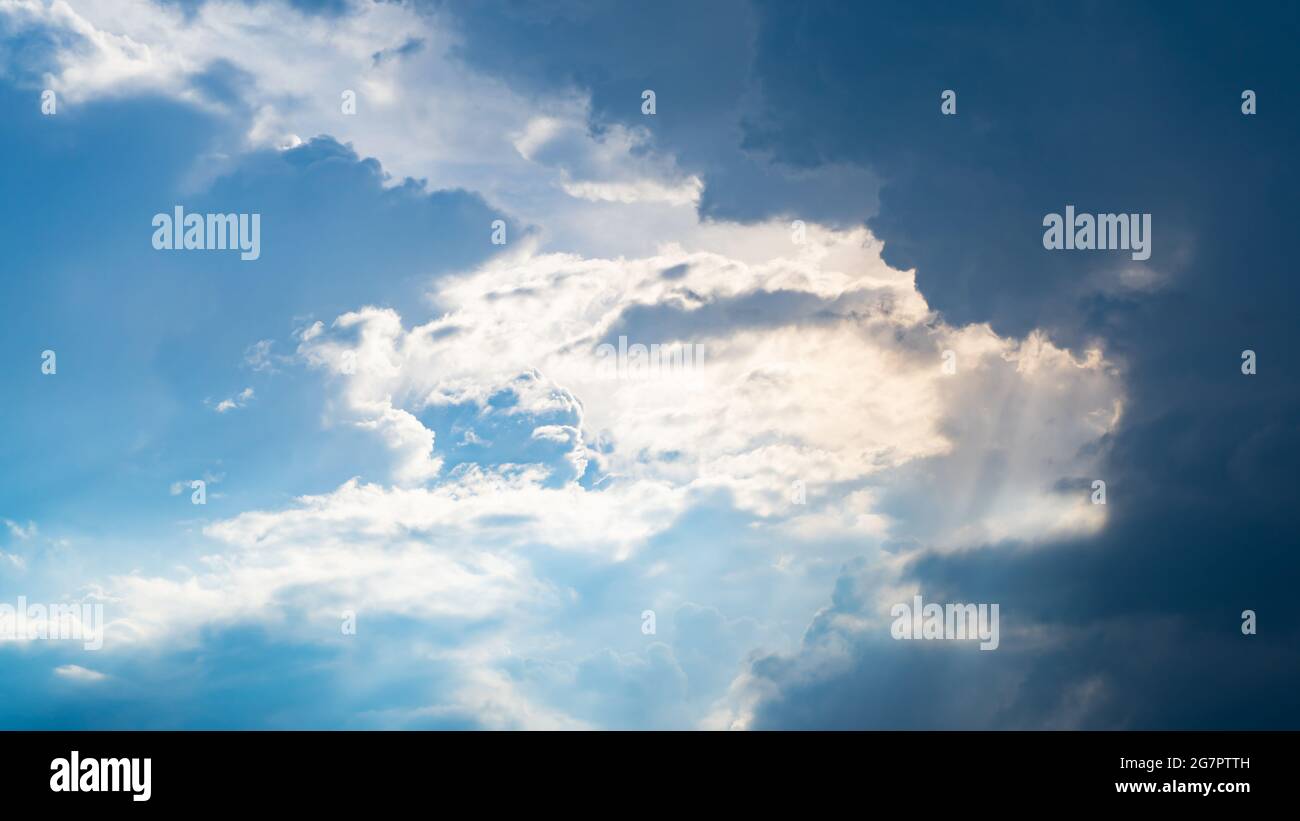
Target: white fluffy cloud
x: 822, y: 365
x: 419, y: 109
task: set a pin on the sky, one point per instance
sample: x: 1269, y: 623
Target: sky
x: 440, y: 490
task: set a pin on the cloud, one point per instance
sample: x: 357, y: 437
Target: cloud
x: 516, y: 500
x: 277, y: 75
x: 768, y: 405
x: 574, y: 460
x: 259, y: 356
x: 77, y: 673
x: 618, y: 165
x: 1154, y: 594
x: 19, y: 531
x: 235, y: 402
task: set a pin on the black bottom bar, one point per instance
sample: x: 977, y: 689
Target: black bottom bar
x: 587, y: 771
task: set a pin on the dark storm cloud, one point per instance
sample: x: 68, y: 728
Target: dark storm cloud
x: 1109, y: 107
x: 697, y: 58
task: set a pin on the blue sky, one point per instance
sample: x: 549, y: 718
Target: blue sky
x: 400, y: 419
